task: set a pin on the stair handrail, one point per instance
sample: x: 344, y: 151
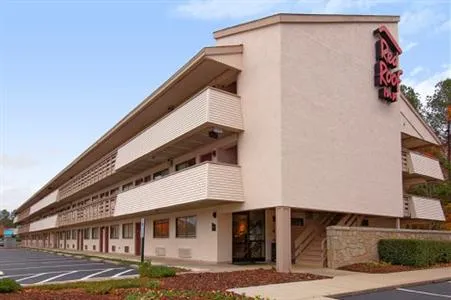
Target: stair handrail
x: 324, y: 252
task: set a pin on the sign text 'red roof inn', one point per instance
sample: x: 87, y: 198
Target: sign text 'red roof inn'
x: 387, y: 74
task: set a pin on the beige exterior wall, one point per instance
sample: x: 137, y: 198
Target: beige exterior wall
x: 209, y: 106
x: 207, y: 181
x: 259, y: 85
x: 340, y: 144
x: 46, y: 201
x: 203, y: 247
x: 349, y: 245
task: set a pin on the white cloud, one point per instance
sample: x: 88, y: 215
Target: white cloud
x: 409, y: 46
x: 445, y: 26
x: 416, y: 71
x: 16, y: 162
x: 225, y: 9
x: 413, y: 22
x: 426, y: 87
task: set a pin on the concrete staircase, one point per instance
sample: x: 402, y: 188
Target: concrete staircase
x: 310, y: 248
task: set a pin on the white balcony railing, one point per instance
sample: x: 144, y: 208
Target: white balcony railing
x: 206, y: 181
x: 100, y: 209
x: 210, y: 107
x: 43, y: 224
x: 44, y: 202
x: 423, y: 208
x: 418, y: 164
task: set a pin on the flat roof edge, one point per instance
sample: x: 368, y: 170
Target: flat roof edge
x: 303, y: 18
x: 204, y: 53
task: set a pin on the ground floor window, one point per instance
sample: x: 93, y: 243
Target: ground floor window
x: 86, y: 234
x: 74, y: 234
x: 95, y: 232
x: 186, y: 227
x: 161, y: 228
x: 127, y: 231
x: 114, y: 232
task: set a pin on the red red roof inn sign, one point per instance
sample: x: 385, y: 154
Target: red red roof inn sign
x: 386, y: 72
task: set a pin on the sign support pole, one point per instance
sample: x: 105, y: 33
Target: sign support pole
x: 142, y: 239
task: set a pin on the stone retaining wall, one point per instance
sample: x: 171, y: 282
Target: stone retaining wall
x: 349, y: 245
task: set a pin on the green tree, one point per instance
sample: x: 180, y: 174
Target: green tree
x: 413, y: 97
x: 6, y: 218
x: 436, y: 108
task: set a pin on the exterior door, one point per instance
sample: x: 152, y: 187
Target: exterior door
x: 248, y: 236
x: 102, y: 234
x: 107, y: 238
x: 138, y: 239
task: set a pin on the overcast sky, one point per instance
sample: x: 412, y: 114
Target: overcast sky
x: 69, y: 70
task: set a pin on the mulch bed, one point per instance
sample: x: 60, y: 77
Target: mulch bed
x: 189, y: 281
x: 227, y: 280
x: 386, y: 268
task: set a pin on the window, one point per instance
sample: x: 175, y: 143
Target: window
x: 86, y: 234
x: 68, y: 235
x: 127, y: 186
x: 186, y: 227
x: 95, y: 232
x: 160, y: 174
x: 139, y: 181
x: 185, y: 164
x: 147, y: 178
x: 161, y: 228
x: 206, y: 157
x: 127, y: 231
x: 74, y: 234
x: 114, y: 232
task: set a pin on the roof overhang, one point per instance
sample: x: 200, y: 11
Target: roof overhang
x: 303, y: 18
x: 424, y: 136
x: 210, y: 66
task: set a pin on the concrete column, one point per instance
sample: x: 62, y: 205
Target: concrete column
x: 398, y: 223
x: 269, y: 232
x: 283, y: 239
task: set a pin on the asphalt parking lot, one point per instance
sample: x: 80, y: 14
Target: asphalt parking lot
x: 33, y: 267
x: 433, y: 291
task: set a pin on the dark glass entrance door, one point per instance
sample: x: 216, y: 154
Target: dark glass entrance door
x: 249, y: 236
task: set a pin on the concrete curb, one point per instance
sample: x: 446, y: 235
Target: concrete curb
x: 387, y: 288
x: 97, y: 279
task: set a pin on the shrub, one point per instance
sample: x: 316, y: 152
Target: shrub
x: 9, y: 286
x: 414, y: 252
x: 146, y: 269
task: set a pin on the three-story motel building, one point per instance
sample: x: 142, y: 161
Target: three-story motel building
x: 289, y: 124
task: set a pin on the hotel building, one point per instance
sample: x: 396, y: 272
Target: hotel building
x: 289, y: 124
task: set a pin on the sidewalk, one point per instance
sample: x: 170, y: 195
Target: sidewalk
x: 339, y: 285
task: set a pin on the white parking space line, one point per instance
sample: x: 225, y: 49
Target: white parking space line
x: 122, y: 273
x: 29, y: 277
x: 57, y: 266
x: 40, y: 262
x: 56, y: 277
x: 53, y: 272
x: 92, y: 275
x: 423, y: 293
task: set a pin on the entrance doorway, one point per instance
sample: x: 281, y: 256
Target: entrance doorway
x: 248, y: 236
x: 138, y: 239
